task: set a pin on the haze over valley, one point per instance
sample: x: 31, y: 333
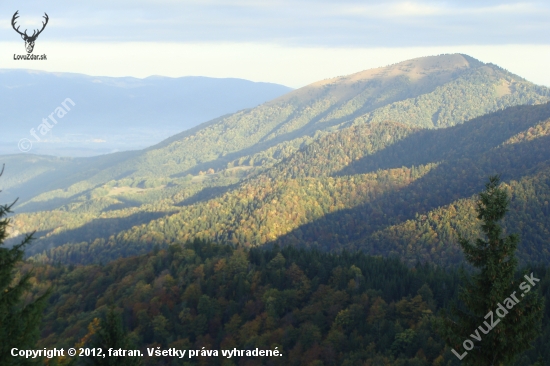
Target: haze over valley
x: 114, y: 113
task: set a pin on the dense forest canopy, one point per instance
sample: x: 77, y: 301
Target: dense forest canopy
x: 334, y: 308
x: 385, y: 188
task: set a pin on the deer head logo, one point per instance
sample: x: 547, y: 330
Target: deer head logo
x: 29, y: 40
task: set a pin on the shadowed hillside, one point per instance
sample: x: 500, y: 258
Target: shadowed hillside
x: 372, y: 185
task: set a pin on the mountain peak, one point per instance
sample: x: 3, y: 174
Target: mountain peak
x: 414, y: 69
x: 424, y: 71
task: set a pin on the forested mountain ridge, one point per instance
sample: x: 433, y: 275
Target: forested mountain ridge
x: 386, y: 188
x: 456, y: 87
x: 434, y: 91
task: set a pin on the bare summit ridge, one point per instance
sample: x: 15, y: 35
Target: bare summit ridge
x: 425, y: 71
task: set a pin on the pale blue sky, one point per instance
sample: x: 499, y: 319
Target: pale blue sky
x: 273, y: 34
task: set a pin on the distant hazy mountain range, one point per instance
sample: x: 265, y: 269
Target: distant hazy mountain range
x: 386, y: 160
x: 114, y: 114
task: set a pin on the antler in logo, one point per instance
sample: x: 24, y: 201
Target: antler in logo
x: 29, y: 40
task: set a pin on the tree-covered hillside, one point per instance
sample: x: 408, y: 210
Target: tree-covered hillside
x: 385, y: 188
x: 437, y: 91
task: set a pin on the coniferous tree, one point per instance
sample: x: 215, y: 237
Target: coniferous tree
x: 18, y: 321
x: 500, y: 315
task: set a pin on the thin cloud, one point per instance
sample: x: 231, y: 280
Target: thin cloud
x: 320, y: 23
x: 416, y: 9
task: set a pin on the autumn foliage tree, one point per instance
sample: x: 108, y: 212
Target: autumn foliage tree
x: 111, y: 336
